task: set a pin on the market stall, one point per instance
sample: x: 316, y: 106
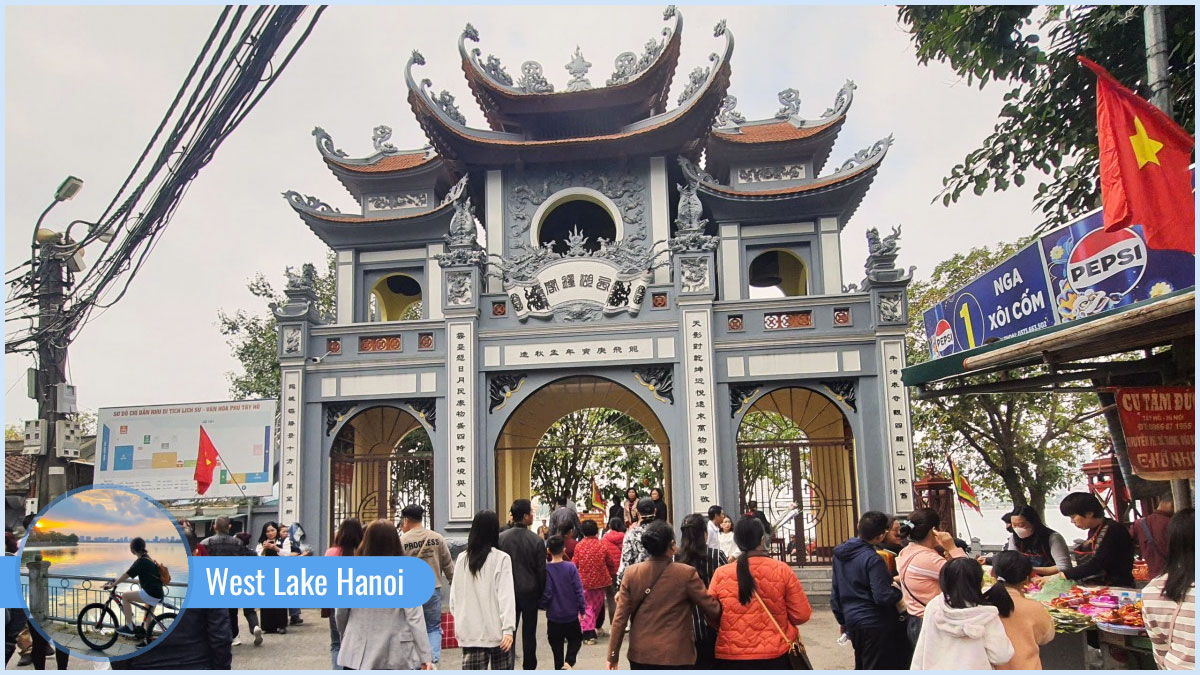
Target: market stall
x: 1108, y: 618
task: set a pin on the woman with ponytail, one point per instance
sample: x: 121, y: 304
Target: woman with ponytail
x: 920, y: 563
x: 1029, y: 625
x: 762, y: 602
x: 961, y: 629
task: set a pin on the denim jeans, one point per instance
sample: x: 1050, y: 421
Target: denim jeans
x: 433, y: 622
x: 335, y: 640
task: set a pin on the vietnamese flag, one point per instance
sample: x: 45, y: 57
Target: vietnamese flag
x: 206, y: 461
x: 1144, y: 158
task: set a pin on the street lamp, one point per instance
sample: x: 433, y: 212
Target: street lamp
x: 66, y: 190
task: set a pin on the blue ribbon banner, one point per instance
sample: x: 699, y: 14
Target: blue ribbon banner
x: 10, y: 590
x: 308, y: 581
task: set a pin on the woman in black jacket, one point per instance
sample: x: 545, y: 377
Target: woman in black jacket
x: 1106, y: 557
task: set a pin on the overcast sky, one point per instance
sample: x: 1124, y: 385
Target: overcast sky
x: 86, y: 86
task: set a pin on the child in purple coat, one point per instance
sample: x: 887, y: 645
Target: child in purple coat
x: 563, y: 602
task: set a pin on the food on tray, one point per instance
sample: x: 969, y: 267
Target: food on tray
x: 1069, y: 620
x: 1128, y: 615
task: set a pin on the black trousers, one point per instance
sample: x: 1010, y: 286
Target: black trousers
x: 780, y: 662
x: 880, y: 647
x: 560, y: 633
x: 39, y: 652
x: 251, y: 619
x: 527, y: 612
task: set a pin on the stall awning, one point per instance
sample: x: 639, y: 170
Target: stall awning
x: 1143, y: 325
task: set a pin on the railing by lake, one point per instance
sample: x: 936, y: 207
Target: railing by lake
x: 60, y: 597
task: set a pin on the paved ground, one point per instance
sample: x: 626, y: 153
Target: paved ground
x: 306, y: 647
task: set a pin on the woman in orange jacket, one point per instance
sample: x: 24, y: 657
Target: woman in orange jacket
x: 749, y: 638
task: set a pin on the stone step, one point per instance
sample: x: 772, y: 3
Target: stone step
x: 805, y: 573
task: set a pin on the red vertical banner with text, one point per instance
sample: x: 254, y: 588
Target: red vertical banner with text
x: 1160, y: 430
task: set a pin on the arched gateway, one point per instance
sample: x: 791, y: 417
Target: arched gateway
x: 606, y: 433
x: 612, y: 273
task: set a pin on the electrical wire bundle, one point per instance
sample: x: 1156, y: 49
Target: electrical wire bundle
x: 229, y: 77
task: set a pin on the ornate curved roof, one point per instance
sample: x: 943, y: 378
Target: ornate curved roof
x: 681, y: 129
x: 386, y: 165
x: 342, y: 230
x: 839, y: 192
x: 637, y: 88
x: 734, y: 138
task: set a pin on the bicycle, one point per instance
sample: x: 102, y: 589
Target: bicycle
x: 97, y: 623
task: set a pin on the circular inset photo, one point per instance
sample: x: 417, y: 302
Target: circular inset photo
x: 103, y: 573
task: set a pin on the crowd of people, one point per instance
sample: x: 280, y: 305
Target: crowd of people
x: 907, y: 596
x: 905, y: 593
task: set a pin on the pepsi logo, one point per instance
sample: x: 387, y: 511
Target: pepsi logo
x: 1112, y: 262
x: 943, y: 337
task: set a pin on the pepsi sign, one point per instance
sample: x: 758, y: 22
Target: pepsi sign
x: 1092, y: 271
x: 943, y: 338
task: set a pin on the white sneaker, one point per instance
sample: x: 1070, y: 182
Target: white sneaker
x: 237, y: 642
x: 257, y: 636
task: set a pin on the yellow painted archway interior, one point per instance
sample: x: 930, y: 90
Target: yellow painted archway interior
x: 527, y: 425
x: 392, y: 305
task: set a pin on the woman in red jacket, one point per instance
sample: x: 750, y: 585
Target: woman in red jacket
x: 749, y: 637
x: 614, y: 541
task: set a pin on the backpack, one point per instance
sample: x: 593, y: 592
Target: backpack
x: 163, y: 573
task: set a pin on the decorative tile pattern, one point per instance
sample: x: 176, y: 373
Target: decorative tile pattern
x: 842, y: 316
x: 333, y: 345
x: 658, y: 300
x: 787, y: 320
x: 388, y: 343
x: 500, y: 308
x: 735, y: 323
x: 424, y: 341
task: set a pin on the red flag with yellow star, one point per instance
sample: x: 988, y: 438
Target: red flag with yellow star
x: 206, y: 461
x: 1144, y: 158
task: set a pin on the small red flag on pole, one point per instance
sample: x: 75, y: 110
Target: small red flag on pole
x: 206, y: 461
x: 1144, y: 158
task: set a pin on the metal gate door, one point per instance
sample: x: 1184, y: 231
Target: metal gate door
x: 806, y: 490
x: 371, y: 488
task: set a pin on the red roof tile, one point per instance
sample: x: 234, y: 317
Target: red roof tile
x: 775, y: 132
x: 398, y: 162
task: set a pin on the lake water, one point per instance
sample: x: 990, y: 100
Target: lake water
x: 990, y: 529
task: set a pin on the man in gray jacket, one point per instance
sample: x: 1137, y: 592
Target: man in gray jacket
x: 432, y: 548
x: 528, y: 554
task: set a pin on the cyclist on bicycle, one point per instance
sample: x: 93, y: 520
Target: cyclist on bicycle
x: 150, y: 592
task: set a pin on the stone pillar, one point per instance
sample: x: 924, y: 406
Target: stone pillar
x: 39, y: 588
x: 461, y: 285
x: 888, y: 286
x: 294, y: 318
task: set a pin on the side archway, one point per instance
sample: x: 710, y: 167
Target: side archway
x: 796, y: 460
x: 380, y: 461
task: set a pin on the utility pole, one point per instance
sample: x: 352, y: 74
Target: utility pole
x: 52, y: 354
x: 48, y: 260
x: 1158, y: 79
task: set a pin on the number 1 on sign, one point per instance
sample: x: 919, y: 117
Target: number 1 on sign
x: 965, y: 313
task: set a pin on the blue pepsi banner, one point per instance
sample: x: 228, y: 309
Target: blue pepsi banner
x: 1008, y: 300
x: 308, y: 581
x: 1075, y: 271
x: 1092, y: 271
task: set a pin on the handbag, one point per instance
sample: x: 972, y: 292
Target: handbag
x: 796, y: 653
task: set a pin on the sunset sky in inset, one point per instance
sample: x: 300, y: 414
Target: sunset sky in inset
x: 107, y: 513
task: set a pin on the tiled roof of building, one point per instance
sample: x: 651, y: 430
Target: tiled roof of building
x: 386, y: 163
x: 774, y: 132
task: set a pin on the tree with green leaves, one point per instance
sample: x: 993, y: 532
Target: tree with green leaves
x: 1048, y: 120
x: 254, y: 337
x: 599, y: 443
x: 1020, y: 446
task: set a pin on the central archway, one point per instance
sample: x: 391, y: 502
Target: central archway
x: 554, y: 420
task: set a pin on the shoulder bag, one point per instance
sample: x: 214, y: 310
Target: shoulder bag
x: 796, y: 653
x: 642, y: 598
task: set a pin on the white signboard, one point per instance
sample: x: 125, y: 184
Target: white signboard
x: 155, y: 448
x: 696, y: 379
x: 461, y: 371
x: 899, y: 436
